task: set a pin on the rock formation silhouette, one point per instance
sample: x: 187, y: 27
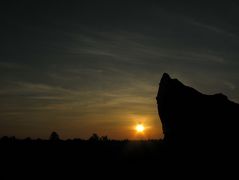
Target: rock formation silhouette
x: 191, y: 117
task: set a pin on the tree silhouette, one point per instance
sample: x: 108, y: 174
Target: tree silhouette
x: 54, y: 137
x: 94, y: 137
x: 104, y: 138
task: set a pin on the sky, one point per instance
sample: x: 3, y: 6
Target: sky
x: 83, y: 67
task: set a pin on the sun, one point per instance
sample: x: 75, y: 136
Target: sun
x: 139, y: 128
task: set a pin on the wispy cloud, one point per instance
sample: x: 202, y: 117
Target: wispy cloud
x: 11, y: 65
x: 230, y: 85
x: 139, y: 49
x: 209, y: 27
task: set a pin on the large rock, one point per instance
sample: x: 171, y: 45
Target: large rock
x: 192, y: 117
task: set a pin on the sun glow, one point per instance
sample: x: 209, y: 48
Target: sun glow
x: 139, y: 128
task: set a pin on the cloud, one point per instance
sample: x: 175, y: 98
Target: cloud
x: 11, y: 65
x: 138, y: 49
x: 230, y: 85
x: 210, y: 27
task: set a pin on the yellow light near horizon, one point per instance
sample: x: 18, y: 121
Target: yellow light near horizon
x: 139, y: 128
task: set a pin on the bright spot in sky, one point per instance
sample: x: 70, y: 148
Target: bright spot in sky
x: 139, y: 128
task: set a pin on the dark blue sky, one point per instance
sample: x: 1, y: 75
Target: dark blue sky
x: 84, y: 67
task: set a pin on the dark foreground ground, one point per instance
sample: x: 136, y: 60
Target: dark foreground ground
x: 78, y: 159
